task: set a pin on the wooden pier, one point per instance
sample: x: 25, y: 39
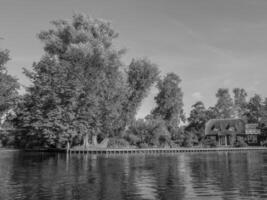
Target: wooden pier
x: 162, y: 150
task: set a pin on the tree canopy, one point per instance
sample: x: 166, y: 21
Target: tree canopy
x: 169, y: 101
x: 8, y: 85
x: 80, y: 87
x: 240, y: 103
x: 224, y: 105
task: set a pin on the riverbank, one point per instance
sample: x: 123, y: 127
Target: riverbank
x: 163, y: 150
x: 7, y: 149
x: 146, y: 150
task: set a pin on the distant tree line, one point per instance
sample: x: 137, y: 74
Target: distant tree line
x: 81, y: 90
x: 252, y: 110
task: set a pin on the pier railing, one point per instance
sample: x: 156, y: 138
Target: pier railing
x: 161, y: 150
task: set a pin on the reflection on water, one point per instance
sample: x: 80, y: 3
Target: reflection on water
x: 235, y: 175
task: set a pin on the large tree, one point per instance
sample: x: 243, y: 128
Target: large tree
x: 8, y: 85
x: 169, y: 101
x: 264, y: 113
x: 80, y: 87
x: 198, y: 118
x: 254, y: 109
x: 224, y: 105
x: 240, y: 102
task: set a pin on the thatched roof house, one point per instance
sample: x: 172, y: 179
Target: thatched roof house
x: 225, y: 127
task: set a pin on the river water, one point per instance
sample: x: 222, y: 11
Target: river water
x: 214, y: 176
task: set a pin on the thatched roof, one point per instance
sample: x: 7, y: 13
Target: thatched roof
x: 225, y: 127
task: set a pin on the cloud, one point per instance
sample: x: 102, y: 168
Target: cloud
x: 197, y: 96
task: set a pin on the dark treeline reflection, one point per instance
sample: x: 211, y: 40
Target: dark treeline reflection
x: 174, y: 176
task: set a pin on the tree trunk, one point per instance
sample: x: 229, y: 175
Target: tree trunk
x: 85, y: 141
x: 94, y: 140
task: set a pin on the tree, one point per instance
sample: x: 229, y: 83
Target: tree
x: 224, y: 103
x: 148, y: 132
x: 198, y: 114
x: 197, y: 120
x: 212, y: 113
x: 8, y: 85
x: 141, y: 75
x: 80, y: 88
x: 169, y: 101
x: 255, y: 108
x: 264, y: 113
x: 240, y: 102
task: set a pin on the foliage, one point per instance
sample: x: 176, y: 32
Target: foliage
x: 6, y: 139
x: 224, y: 105
x: 117, y: 143
x: 240, y: 103
x: 210, y: 142
x: 188, y: 140
x: 79, y: 87
x: 169, y: 101
x: 264, y: 143
x: 263, y: 121
x: 8, y: 85
x: 177, y: 136
x: 254, y: 109
x: 141, y: 75
x: 212, y: 113
x: 151, y: 131
x: 197, y: 120
x: 240, y: 142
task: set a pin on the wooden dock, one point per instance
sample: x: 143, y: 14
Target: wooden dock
x: 162, y: 150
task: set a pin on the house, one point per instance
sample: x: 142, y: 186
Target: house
x: 227, y: 131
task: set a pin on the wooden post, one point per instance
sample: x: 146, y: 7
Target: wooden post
x: 225, y: 140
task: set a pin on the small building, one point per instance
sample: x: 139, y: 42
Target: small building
x: 227, y: 131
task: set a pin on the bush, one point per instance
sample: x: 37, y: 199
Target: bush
x: 118, y: 143
x: 189, y: 139
x: 210, y: 142
x: 7, y: 139
x: 177, y: 137
x: 264, y: 143
x: 152, y: 132
x: 143, y: 145
x: 132, y: 139
x: 240, y: 143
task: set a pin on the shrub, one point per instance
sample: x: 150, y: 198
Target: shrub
x: 189, y: 139
x: 7, y: 139
x: 240, y: 142
x: 143, y: 145
x: 118, y: 143
x: 210, y: 142
x: 132, y: 139
x: 177, y: 137
x: 152, y: 132
x: 264, y: 143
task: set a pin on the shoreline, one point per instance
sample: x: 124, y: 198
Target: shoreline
x: 9, y: 149
x: 144, y: 150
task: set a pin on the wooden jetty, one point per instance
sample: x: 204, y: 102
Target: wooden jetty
x: 161, y: 150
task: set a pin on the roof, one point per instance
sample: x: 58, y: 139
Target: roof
x: 252, y: 126
x: 225, y: 126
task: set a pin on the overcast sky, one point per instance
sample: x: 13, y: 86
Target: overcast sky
x: 208, y: 43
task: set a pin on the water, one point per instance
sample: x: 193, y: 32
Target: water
x: 207, y: 176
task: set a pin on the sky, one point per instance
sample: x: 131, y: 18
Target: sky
x: 210, y: 44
